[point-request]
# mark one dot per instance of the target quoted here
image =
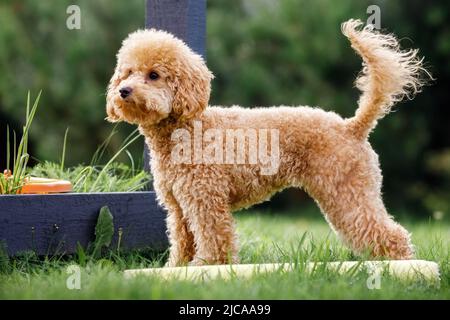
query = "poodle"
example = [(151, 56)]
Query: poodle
[(162, 86)]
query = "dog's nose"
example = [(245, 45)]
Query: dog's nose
[(125, 92)]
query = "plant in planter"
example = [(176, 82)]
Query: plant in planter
[(10, 184), (62, 222)]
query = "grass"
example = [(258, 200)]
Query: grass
[(112, 177), (264, 238), (100, 175)]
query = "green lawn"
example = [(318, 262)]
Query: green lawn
[(264, 238)]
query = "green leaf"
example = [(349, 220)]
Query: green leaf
[(104, 230), (81, 255)]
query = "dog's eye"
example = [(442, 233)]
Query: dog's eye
[(153, 75)]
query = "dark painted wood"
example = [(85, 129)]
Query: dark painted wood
[(185, 19), (50, 224)]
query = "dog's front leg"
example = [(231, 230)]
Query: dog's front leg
[(212, 224), (214, 233), (180, 237)]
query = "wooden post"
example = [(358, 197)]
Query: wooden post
[(186, 19)]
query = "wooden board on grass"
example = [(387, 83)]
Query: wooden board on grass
[(401, 269)]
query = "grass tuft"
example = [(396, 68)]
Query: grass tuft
[(13, 180)]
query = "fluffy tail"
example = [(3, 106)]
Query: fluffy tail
[(388, 76)]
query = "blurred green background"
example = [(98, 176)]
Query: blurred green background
[(262, 52)]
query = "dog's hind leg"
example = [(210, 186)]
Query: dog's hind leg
[(363, 223), (353, 206), (180, 237)]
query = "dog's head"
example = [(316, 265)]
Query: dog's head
[(157, 76)]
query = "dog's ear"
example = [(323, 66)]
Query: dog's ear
[(191, 86), (110, 94)]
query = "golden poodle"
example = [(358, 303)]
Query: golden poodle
[(161, 85)]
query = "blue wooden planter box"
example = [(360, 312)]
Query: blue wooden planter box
[(54, 224)]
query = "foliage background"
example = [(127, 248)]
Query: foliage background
[(262, 52)]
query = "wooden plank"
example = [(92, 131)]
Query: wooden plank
[(185, 19), (55, 223), (400, 269)]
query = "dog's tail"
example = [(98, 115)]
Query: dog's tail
[(389, 75)]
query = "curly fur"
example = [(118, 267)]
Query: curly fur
[(326, 155)]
